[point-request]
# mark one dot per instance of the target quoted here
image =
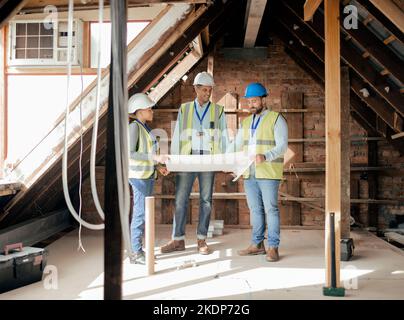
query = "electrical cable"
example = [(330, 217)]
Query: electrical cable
[(96, 120), (80, 246), (65, 150)]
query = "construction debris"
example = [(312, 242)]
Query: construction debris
[(215, 228)]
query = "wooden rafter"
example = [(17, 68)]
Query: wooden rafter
[(376, 48), (254, 16), (201, 22), (374, 13), (397, 135), (391, 11), (310, 7), (46, 193), (362, 112), (175, 75), (355, 61), (8, 9), (300, 30)]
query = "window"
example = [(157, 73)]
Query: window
[(33, 41), (134, 28), (39, 43)]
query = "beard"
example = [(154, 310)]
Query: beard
[(256, 110)]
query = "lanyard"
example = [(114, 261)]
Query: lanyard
[(254, 127), (204, 113), (144, 125)]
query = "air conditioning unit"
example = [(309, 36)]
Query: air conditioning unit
[(39, 43)]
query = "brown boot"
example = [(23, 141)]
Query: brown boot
[(203, 247), (253, 249), (173, 245), (272, 254)]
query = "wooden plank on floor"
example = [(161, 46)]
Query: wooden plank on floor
[(394, 236)]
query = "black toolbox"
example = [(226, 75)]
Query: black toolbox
[(20, 266)]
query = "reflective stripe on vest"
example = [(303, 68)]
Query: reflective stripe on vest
[(142, 169), (186, 127), (265, 141)]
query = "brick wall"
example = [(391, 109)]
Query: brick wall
[(279, 73), (391, 185)]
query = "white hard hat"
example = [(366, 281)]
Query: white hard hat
[(139, 101), (204, 79)]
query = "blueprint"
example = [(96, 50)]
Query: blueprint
[(236, 162)]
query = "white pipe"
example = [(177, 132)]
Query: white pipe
[(96, 120), (65, 150)]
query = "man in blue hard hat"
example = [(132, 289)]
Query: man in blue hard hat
[(264, 135)]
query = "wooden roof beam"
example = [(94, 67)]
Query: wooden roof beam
[(391, 11), (8, 9), (353, 58), (254, 14), (311, 63), (310, 8), (377, 49), (38, 194), (303, 33), (375, 13), (397, 135)]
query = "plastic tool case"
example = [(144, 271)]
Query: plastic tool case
[(20, 266)]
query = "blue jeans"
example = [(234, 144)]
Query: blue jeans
[(262, 200), (183, 187), (142, 188)]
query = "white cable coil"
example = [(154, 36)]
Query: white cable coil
[(120, 132), (65, 151), (97, 107)]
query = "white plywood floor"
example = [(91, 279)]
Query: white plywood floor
[(376, 272)]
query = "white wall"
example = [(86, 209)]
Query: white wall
[(34, 103)]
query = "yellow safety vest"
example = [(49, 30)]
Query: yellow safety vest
[(265, 141), (142, 169), (186, 120)]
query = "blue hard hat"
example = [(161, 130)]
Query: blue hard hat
[(255, 90)]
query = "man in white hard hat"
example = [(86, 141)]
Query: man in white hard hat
[(144, 160), (200, 129)]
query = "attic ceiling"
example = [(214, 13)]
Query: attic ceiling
[(35, 4), (373, 54)]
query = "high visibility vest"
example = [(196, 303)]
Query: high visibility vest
[(142, 169), (265, 141), (186, 121)]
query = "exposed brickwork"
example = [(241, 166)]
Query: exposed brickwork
[(278, 72)]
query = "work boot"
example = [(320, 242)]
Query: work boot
[(253, 249), (137, 258), (173, 245), (272, 254), (203, 247)]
